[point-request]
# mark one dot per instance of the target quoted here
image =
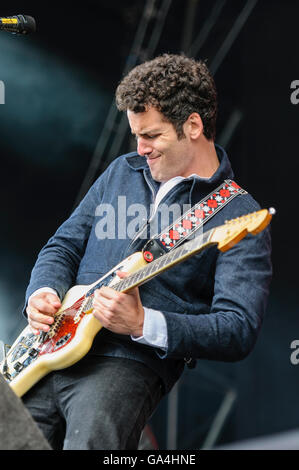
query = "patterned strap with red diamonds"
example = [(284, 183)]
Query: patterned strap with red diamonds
[(199, 214)]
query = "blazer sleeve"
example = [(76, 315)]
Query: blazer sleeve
[(58, 261)]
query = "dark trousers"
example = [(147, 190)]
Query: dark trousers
[(100, 403)]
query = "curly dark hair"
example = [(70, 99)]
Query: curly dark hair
[(176, 86)]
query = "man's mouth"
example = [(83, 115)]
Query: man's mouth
[(152, 157)]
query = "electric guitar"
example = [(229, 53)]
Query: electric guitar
[(71, 335)]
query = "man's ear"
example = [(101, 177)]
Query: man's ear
[(193, 127)]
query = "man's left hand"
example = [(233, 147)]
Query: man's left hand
[(119, 312)]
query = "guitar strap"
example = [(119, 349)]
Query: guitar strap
[(191, 220)]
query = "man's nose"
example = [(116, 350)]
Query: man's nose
[(143, 147)]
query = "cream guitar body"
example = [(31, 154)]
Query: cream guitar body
[(71, 336)]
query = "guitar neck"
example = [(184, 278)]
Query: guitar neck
[(165, 262)]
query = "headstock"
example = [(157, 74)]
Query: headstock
[(234, 230)]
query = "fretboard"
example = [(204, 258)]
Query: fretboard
[(163, 263)]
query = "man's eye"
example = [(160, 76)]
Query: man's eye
[(152, 136), (146, 136)]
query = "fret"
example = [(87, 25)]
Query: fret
[(183, 251), (126, 283), (176, 254), (155, 265), (121, 285), (136, 276)]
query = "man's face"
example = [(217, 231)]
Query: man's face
[(158, 142)]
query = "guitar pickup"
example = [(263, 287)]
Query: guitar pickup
[(33, 352), (7, 376), (18, 367)]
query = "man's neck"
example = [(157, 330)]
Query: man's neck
[(207, 161)]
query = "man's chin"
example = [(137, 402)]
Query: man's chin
[(158, 177)]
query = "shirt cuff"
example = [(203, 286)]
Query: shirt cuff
[(154, 329), (43, 289)]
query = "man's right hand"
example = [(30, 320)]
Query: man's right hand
[(41, 310)]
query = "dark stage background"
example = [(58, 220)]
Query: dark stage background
[(59, 85)]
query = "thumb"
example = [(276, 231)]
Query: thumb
[(53, 299), (122, 274)]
